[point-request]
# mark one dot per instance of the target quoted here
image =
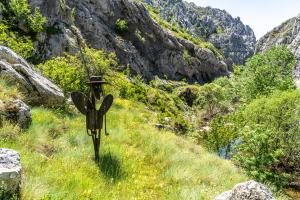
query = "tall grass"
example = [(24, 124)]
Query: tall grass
[(137, 160)]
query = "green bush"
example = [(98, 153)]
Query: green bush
[(270, 137), (21, 10), (121, 26), (137, 91), (18, 25), (266, 134), (69, 72), (211, 97), (266, 72), (222, 134), (166, 104), (20, 44)]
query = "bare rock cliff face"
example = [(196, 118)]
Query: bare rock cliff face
[(147, 48), (229, 34)]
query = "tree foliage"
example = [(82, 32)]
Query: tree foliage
[(20, 44), (121, 26), (266, 72), (211, 97), (20, 11), (270, 135), (69, 71), (19, 23)]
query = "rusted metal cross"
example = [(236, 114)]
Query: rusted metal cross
[(87, 105)]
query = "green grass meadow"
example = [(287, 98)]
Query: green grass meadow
[(137, 160)]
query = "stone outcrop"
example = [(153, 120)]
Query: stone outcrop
[(288, 33), (18, 112), (38, 89), (146, 47), (250, 190), (229, 34), (10, 172)]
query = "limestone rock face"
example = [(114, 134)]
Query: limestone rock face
[(39, 90), (147, 48), (229, 34), (10, 171), (250, 190), (288, 33)]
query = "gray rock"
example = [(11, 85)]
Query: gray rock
[(10, 171), (229, 34), (159, 53), (39, 90), (288, 33), (250, 190), (18, 112)]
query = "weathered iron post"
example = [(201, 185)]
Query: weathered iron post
[(87, 105)]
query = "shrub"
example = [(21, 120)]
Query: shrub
[(188, 94), (269, 71), (212, 99), (166, 104), (263, 137), (20, 44), (21, 10), (222, 134), (271, 138), (121, 26), (69, 72), (137, 91), (36, 21)]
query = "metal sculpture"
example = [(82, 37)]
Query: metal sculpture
[(87, 105)]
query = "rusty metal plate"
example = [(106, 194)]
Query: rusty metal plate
[(80, 101), (106, 104)]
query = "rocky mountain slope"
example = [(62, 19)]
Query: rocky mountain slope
[(288, 33), (229, 34), (147, 48)]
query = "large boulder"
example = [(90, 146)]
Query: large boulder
[(250, 190), (38, 89), (147, 48), (10, 172)]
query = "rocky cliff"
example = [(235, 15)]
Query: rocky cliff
[(229, 34), (146, 47), (288, 33)]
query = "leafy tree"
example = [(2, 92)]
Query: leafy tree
[(266, 72), (212, 99), (270, 134), (223, 133)]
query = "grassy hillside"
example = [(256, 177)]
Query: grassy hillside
[(138, 161)]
